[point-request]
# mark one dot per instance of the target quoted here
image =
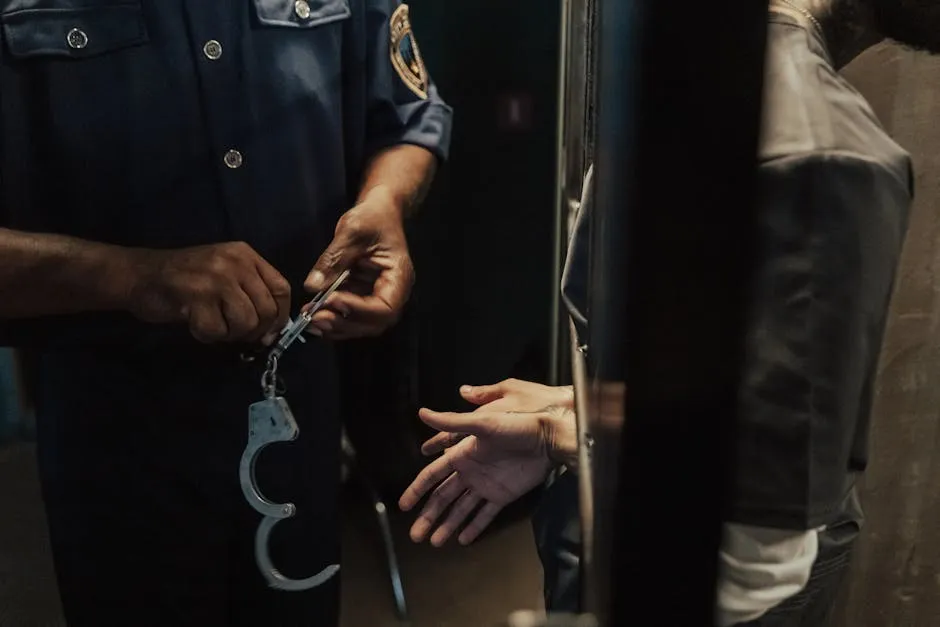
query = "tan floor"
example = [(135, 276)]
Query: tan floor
[(455, 587), (475, 586)]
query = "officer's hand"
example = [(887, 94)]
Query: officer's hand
[(369, 241), (224, 292)]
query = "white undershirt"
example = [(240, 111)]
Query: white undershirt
[(761, 568)]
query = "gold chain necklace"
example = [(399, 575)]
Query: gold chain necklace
[(805, 13)]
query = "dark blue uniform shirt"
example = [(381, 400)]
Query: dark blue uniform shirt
[(171, 123), (167, 124)]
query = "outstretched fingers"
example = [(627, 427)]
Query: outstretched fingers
[(442, 497), (441, 442), (459, 513), (481, 521), (429, 477)]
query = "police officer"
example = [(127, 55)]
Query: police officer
[(176, 180)]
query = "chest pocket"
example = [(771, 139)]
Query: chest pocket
[(301, 13), (73, 29)]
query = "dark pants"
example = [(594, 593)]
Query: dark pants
[(557, 526), (558, 536), (813, 607), (139, 466)]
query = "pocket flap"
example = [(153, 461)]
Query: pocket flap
[(301, 13), (73, 32)]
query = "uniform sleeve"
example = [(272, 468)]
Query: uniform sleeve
[(404, 106), (831, 232)]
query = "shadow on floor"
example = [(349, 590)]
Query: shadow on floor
[(476, 586)]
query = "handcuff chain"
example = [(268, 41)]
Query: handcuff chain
[(269, 378)]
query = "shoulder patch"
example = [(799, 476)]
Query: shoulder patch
[(406, 58)]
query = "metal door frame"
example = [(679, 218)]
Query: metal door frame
[(574, 150), (677, 122)]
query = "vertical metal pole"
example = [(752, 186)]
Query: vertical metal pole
[(573, 142), (561, 222), (679, 94)]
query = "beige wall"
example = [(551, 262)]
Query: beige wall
[(896, 573)]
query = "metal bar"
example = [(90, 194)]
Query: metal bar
[(560, 229), (678, 118), (581, 386)]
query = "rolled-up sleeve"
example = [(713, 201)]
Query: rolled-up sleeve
[(399, 112)]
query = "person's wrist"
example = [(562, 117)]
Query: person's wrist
[(383, 196), (566, 397), (125, 272), (561, 436)]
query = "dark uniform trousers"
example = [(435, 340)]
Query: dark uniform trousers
[(139, 459), (558, 536)]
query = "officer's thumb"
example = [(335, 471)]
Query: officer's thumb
[(339, 256)]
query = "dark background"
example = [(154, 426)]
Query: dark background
[(482, 244)]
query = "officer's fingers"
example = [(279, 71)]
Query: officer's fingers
[(266, 307), (365, 308), (324, 320), (327, 317), (364, 273), (382, 301), (240, 315), (342, 253), (430, 476), (482, 394), (480, 522), (278, 287), (393, 286), (445, 494), (337, 328), (206, 322), (440, 442), (461, 510), (348, 330)]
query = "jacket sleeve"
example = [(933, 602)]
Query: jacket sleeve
[(831, 228)]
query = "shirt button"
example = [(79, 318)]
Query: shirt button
[(212, 49), (302, 9), (233, 159), (77, 39)]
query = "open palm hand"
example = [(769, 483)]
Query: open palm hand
[(503, 456)]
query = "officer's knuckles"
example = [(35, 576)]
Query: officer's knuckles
[(355, 229), (349, 223), (331, 259), (247, 325), (204, 287), (237, 251), (208, 332), (220, 265), (266, 314), (279, 287)]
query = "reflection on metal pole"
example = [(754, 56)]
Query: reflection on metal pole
[(580, 381), (575, 102), (554, 376), (585, 444)]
